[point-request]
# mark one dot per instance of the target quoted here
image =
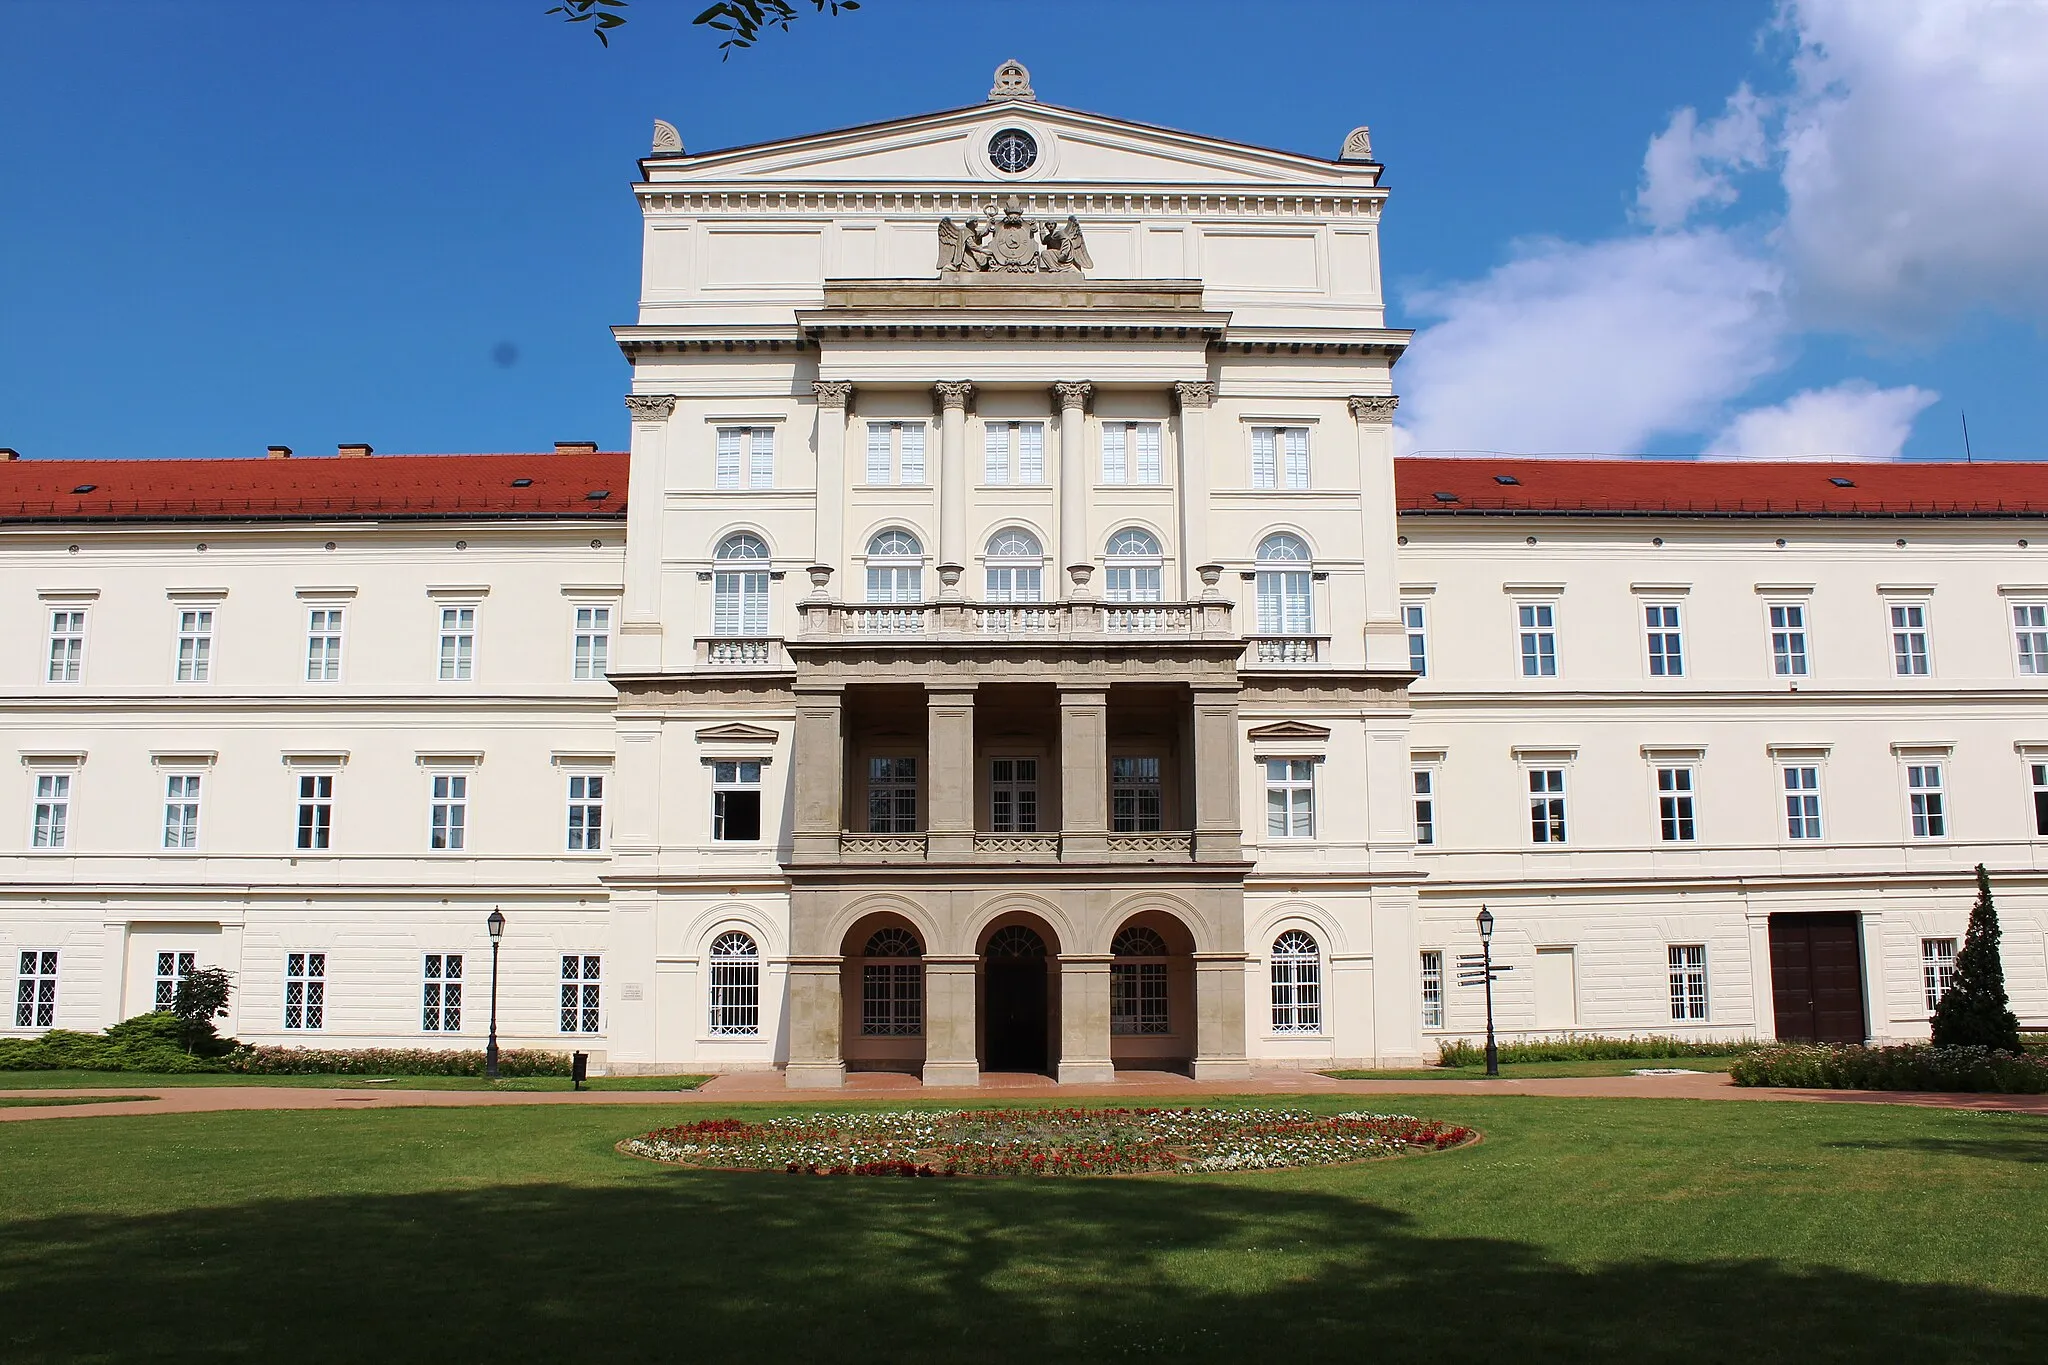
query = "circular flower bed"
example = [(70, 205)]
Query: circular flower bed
[(937, 1142)]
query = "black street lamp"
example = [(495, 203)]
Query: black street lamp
[(1486, 960), (496, 925)]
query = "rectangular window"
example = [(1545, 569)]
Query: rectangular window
[(181, 810), (1415, 616), (195, 645), (1130, 453), (1674, 805), (67, 645), (1137, 997), (1433, 988), (441, 993), (1802, 802), (1134, 794), (2030, 636), (1013, 452), (891, 1000), (1425, 805), (171, 968), (2038, 773), (593, 644), (586, 812), (35, 989), (1909, 639), (746, 457), (449, 820), (892, 795), (1788, 639), (305, 990), (1924, 797), (53, 811), (1688, 983), (458, 643), (323, 644), (582, 1002), (1665, 640), (736, 801), (1290, 798), (1280, 457), (1937, 968), (1538, 624), (896, 453), (1013, 795), (1546, 805), (316, 810)]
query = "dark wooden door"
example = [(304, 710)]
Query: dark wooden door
[(1016, 1014), (1817, 978)]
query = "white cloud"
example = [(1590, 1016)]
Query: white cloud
[(1592, 347), (1689, 164), (1854, 419), (1915, 178)]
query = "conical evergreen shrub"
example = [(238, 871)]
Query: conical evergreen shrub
[(1974, 1012)]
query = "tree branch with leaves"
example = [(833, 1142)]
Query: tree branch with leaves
[(743, 20)]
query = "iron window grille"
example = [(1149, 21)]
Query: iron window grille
[(171, 968), (1137, 982), (35, 989), (1688, 982), (892, 985), (1135, 802), (1013, 795), (305, 990), (735, 994), (1433, 988), (1295, 973), (892, 795), (1937, 968), (441, 993), (582, 993)]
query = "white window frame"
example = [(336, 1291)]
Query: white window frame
[(1536, 637), (590, 640), (184, 792), (1013, 453), (1663, 621), (50, 796), (1009, 574), (1432, 988), (313, 828), (2037, 776), (326, 629), (305, 991), (743, 776), (1805, 822), (1937, 969), (899, 451), (1133, 454), (743, 458), (1013, 793), (1912, 640), (193, 660), (892, 987), (1140, 1003), (1283, 574), (455, 642), (1294, 783), (1789, 632), (172, 966), (35, 987), (742, 581), (441, 978), (584, 815), (582, 1002), (1294, 976), (1927, 813), (1135, 575), (1687, 964), (1415, 621), (448, 810), (1280, 458), (895, 575), (1677, 802), (1422, 783), (65, 657), (733, 985), (1549, 809), (2029, 636)]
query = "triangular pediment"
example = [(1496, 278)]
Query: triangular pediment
[(1075, 147), (735, 733), (1289, 730)]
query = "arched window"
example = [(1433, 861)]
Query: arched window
[(1132, 573), (739, 586), (1137, 981), (735, 993), (1297, 975), (1016, 562), (895, 568), (1286, 602), (1016, 941), (892, 985)]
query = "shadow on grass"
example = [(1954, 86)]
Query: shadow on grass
[(2027, 1144), (690, 1266)]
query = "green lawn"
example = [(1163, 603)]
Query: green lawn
[(1611, 1066), (68, 1080), (44, 1101), (1601, 1230)]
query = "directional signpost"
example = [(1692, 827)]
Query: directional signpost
[(1476, 969)]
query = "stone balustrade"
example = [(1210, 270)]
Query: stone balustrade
[(963, 620)]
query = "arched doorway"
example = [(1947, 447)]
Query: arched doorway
[(1016, 995), (882, 995), (1152, 993)]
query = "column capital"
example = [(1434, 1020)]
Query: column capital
[(1376, 409), (832, 393), (1072, 393), (650, 407), (952, 393), (1194, 395)]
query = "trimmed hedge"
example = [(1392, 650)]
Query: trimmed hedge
[(1908, 1066), (1587, 1048), (155, 1043), (392, 1061)]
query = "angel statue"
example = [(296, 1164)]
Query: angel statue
[(966, 249), (1064, 251)]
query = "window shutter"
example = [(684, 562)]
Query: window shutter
[(878, 452), (1031, 452), (761, 449), (728, 472), (1264, 474), (1297, 457), (911, 455), (995, 461), (1113, 452), (1148, 452)]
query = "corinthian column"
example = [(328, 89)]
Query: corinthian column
[(826, 546), (952, 397), (1075, 552)]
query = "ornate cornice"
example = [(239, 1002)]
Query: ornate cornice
[(1379, 408), (650, 407), (1072, 393), (1194, 395), (952, 393), (832, 393)]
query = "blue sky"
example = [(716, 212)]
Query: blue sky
[(226, 225)]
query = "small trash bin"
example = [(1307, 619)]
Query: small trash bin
[(579, 1069)]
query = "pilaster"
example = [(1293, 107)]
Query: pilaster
[(952, 397), (647, 468), (949, 1022), (1195, 400), (1075, 549), (1219, 837), (1084, 1019), (949, 778), (1386, 641), (815, 1059), (1084, 774), (828, 541), (819, 753), (1219, 1018)]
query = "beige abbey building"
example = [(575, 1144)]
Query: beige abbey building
[(1011, 643)]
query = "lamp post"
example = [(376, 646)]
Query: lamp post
[(1486, 960), (496, 925)]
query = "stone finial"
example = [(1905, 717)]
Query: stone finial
[(1374, 409), (650, 407), (1013, 82), (1357, 145), (667, 141), (952, 393), (832, 393), (1194, 395), (1212, 575), (821, 581), (1072, 393)]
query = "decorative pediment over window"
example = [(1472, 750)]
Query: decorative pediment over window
[(1290, 730), (736, 733)]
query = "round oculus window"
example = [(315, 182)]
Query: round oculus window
[(1013, 151)]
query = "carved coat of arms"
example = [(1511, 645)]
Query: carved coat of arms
[(1006, 242)]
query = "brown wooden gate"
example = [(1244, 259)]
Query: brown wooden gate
[(1817, 978)]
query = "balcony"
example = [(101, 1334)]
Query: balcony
[(1269, 651), (741, 651), (1082, 619), (1006, 848)]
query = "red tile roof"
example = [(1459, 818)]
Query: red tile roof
[(1720, 488), (383, 487)]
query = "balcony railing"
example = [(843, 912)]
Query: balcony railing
[(1003, 847), (1022, 848), (1287, 649), (740, 651), (882, 848), (962, 620)]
